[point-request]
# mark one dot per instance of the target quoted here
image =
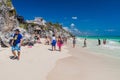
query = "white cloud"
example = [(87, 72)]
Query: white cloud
[(72, 25), (66, 28), (74, 17), (72, 30), (75, 29)]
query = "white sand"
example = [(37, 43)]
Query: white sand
[(86, 65), (35, 63), (39, 63)]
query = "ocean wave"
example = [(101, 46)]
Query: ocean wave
[(112, 45)]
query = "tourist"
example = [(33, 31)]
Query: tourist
[(38, 39), (85, 44), (65, 40), (47, 41), (74, 42), (16, 44), (59, 43), (99, 42), (104, 41), (53, 43), (35, 38)]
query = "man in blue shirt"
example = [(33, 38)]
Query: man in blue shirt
[(16, 44)]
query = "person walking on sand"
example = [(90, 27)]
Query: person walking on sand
[(53, 43), (85, 44), (65, 40), (74, 42), (16, 44), (59, 43)]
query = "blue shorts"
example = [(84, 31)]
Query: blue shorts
[(54, 43), (16, 48)]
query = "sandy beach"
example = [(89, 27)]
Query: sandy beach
[(86, 65), (60, 39), (35, 63), (39, 63)]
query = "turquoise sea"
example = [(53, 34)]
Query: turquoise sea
[(112, 47), (114, 38)]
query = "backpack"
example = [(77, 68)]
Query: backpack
[(15, 38)]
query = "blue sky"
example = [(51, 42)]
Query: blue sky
[(91, 17)]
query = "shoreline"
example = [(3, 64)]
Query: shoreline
[(85, 65), (110, 49)]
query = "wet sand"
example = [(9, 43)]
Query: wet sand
[(86, 65)]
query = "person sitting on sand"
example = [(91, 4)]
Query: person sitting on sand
[(85, 44), (35, 38), (53, 43), (74, 42), (16, 44), (46, 40), (38, 39), (59, 43)]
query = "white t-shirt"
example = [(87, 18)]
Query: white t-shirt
[(53, 38)]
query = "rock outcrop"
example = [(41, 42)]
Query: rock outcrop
[(9, 21)]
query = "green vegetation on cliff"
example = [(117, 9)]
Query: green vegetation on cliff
[(9, 3), (24, 26)]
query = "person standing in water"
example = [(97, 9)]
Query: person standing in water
[(74, 42), (16, 44), (53, 43), (104, 41)]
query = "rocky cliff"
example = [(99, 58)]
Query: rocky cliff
[(9, 20)]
